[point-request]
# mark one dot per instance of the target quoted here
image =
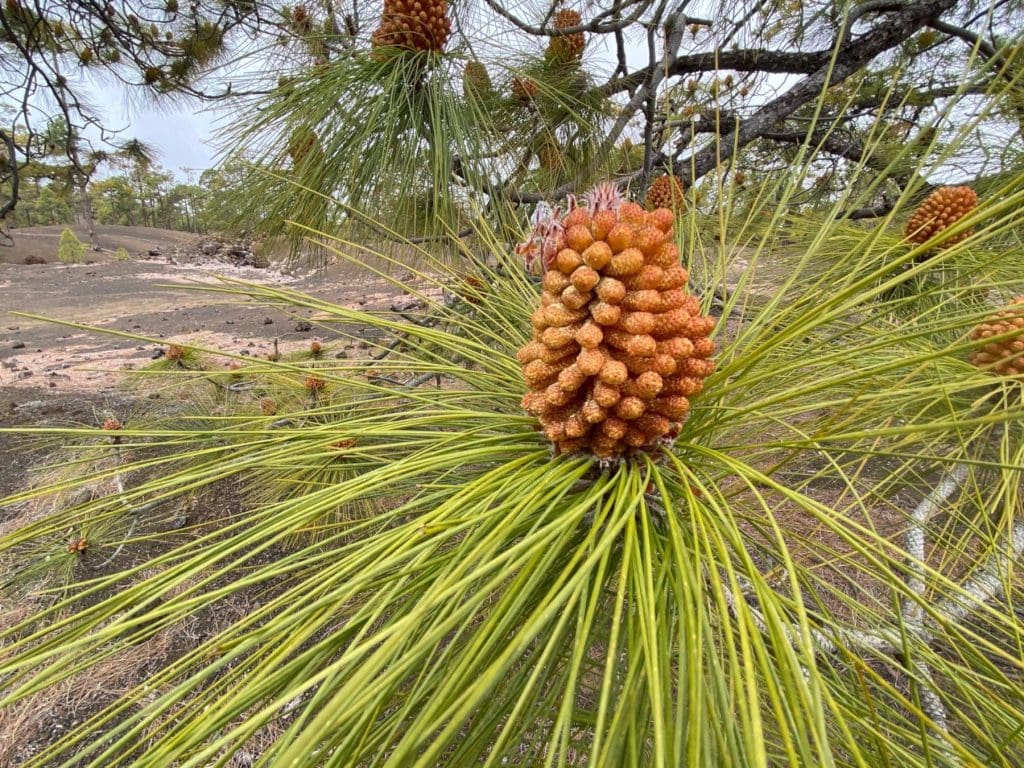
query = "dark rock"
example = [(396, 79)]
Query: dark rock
[(18, 345), (157, 354), (153, 252), (342, 355), (303, 325), (268, 321), (33, 259)]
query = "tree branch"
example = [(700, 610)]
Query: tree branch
[(851, 57), (12, 166)]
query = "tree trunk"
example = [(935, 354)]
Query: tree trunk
[(87, 214)]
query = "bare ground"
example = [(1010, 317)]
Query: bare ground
[(51, 373)]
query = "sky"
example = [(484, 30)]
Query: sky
[(181, 137)]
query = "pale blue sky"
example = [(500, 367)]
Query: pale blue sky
[(180, 136)]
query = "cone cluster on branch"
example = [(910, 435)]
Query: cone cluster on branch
[(475, 79), (567, 49), (618, 344), (301, 143), (419, 25), (523, 89), (550, 156), (940, 210), (666, 192), (78, 546), (1004, 357)]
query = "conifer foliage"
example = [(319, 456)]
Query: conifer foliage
[(730, 483)]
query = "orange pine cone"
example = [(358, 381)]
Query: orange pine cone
[(666, 192), (523, 89), (550, 156), (618, 346), (418, 25), (1003, 357), (315, 383), (943, 208), (567, 49)]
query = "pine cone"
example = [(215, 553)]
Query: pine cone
[(550, 156), (419, 25), (301, 143), (78, 546), (523, 89), (666, 192), (943, 208), (618, 345), (1002, 357), (476, 82), (567, 49), (605, 196)]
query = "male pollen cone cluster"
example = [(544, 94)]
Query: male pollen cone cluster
[(666, 192), (567, 49), (618, 345), (523, 89), (940, 210), (475, 79), (420, 25), (1004, 357), (301, 143)]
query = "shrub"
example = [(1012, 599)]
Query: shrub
[(70, 250)]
